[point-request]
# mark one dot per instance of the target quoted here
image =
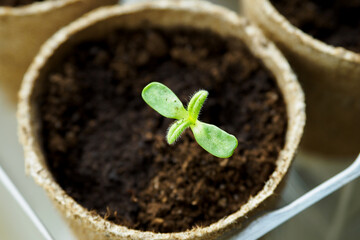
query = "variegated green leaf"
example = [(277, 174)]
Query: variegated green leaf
[(164, 101), (214, 140)]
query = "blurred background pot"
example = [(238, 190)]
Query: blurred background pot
[(196, 14), (330, 77), (25, 28)]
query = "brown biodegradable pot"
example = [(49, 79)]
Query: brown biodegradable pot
[(329, 75), (199, 15), (23, 29)]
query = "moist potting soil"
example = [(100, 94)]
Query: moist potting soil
[(107, 148), (16, 3)]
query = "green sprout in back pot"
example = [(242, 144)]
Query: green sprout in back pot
[(214, 140)]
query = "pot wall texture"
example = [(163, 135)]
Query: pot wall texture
[(24, 29)]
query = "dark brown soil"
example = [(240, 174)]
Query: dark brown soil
[(16, 3), (106, 147), (336, 22)]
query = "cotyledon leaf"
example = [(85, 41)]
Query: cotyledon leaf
[(164, 101), (176, 129), (214, 140), (196, 103)]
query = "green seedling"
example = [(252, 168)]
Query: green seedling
[(214, 140)]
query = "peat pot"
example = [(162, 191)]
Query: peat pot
[(24, 28), (329, 75), (198, 15)]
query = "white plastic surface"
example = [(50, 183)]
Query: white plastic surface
[(12, 161)]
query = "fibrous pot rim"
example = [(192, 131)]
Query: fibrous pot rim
[(35, 8), (315, 45)]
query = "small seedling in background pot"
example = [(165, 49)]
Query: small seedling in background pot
[(214, 140)]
